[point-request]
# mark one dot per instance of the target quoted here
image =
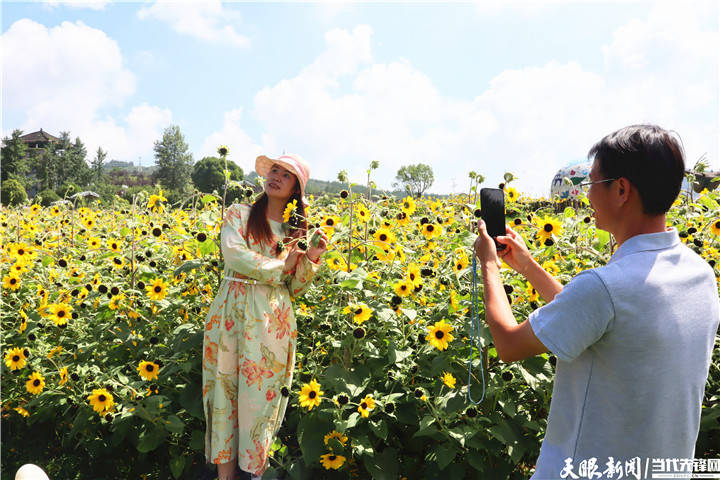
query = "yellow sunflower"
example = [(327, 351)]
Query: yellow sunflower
[(439, 335), (310, 395), (461, 263), (101, 400), (384, 237), (60, 313), (360, 311), (155, 202), (511, 195), (430, 230), (21, 252), (532, 294), (22, 411), (330, 460), (114, 245), (403, 219), (14, 358), (403, 288), (329, 223), (715, 227), (336, 435), (413, 275), (11, 282), (408, 206), (148, 370), (547, 227), (366, 404), (449, 380), (115, 301), (35, 383), (63, 375), (289, 210), (157, 289), (362, 214)]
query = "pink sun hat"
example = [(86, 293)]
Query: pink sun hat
[(292, 162)]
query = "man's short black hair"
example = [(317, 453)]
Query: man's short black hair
[(650, 157)]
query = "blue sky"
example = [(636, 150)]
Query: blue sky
[(525, 87)]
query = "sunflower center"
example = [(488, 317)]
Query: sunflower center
[(158, 289), (332, 458), (61, 313), (36, 383), (459, 266), (330, 222), (149, 368), (16, 358), (358, 311), (102, 398), (548, 227), (312, 394), (13, 281), (430, 228), (383, 237), (439, 334), (364, 405), (717, 224), (21, 252), (404, 287)]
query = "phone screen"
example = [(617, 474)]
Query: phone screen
[(492, 211)]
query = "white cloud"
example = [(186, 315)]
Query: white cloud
[(63, 77), (243, 150), (91, 4), (206, 20), (343, 111)]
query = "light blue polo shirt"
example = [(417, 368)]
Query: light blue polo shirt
[(634, 341)]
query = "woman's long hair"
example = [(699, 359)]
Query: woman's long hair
[(259, 227)]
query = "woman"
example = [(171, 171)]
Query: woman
[(250, 330)]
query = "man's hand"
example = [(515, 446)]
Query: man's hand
[(484, 246), (516, 253)]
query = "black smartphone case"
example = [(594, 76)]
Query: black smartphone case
[(492, 211)]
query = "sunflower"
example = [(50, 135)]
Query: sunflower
[(532, 294), (403, 219), (330, 460), (336, 435), (360, 311), (115, 301), (403, 288), (22, 411), (386, 255), (367, 404), (155, 202), (310, 394), (400, 254), (547, 227), (18, 269), (408, 206), (60, 313), (384, 237), (114, 245), (21, 252), (88, 222), (35, 383), (715, 227), (55, 211), (117, 262), (101, 400), (329, 223), (223, 150), (430, 230), (551, 267), (511, 195), (461, 263), (362, 214), (157, 289), (439, 335), (148, 370), (289, 210), (14, 358), (449, 380), (63, 375), (11, 282), (413, 275)]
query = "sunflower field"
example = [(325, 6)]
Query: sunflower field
[(103, 309)]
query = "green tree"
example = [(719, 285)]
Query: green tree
[(173, 160), (12, 157), (97, 166), (13, 193), (415, 179), (209, 174)]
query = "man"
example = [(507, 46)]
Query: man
[(633, 338)]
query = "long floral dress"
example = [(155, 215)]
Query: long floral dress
[(249, 345)]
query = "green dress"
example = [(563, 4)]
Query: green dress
[(249, 345)]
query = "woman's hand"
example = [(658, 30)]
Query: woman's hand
[(314, 253), (292, 259), (516, 253)]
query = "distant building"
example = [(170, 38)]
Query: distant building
[(39, 140)]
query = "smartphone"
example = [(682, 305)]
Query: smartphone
[(492, 211)]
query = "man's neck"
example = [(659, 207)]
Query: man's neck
[(638, 225)]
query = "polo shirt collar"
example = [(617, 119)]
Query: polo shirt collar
[(647, 242)]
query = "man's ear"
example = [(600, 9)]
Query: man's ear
[(624, 187)]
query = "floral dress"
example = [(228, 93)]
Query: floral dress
[(249, 345)]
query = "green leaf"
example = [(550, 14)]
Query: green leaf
[(151, 439), (397, 356), (380, 429), (173, 424), (197, 440), (445, 454), (177, 464), (187, 266), (191, 400), (311, 432), (384, 465), (411, 314)]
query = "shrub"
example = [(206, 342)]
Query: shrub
[(13, 193)]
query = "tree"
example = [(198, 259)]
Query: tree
[(415, 179), (12, 157), (209, 174), (13, 193), (173, 160), (97, 165)]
